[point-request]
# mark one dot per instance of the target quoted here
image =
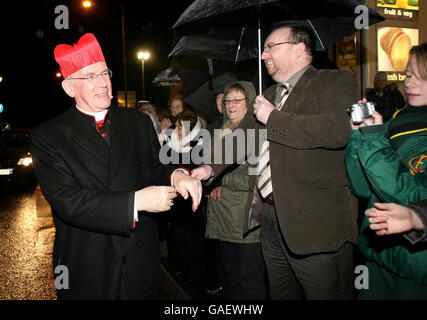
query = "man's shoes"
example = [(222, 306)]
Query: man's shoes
[(215, 292)]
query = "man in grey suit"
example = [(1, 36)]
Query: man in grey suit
[(309, 216)]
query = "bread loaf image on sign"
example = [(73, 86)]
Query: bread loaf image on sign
[(396, 44)]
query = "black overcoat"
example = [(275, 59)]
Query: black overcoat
[(90, 187)]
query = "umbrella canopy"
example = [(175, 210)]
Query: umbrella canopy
[(234, 22), (203, 45), (330, 21)]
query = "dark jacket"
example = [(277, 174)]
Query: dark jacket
[(90, 187), (386, 102), (316, 210)]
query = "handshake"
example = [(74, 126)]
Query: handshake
[(160, 198)]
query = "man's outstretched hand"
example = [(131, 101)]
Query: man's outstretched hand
[(203, 172)]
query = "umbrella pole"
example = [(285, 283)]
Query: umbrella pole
[(259, 59)]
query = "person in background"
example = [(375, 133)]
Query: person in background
[(385, 163), (217, 124), (176, 106), (150, 110), (240, 255), (386, 97), (98, 167), (185, 227)]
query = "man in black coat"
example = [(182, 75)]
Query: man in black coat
[(98, 167)]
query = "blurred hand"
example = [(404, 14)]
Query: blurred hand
[(203, 172), (155, 198), (262, 109), (216, 193), (166, 123), (391, 218), (188, 186)]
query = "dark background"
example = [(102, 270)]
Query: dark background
[(30, 90)]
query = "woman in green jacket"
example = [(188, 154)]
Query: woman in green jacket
[(387, 163), (241, 255)]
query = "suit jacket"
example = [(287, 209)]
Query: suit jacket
[(90, 187), (316, 210)]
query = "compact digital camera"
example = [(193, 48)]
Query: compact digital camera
[(360, 111)]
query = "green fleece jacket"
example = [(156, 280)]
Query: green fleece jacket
[(388, 163)]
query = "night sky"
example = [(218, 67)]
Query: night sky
[(30, 91)]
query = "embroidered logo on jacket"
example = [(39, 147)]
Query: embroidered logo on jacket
[(418, 164)]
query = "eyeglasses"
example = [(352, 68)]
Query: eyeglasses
[(93, 77), (234, 101), (270, 46)]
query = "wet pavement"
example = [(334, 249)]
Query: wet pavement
[(26, 246)]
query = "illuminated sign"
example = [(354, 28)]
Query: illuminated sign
[(398, 9), (393, 45)]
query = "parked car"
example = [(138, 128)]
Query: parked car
[(16, 164)]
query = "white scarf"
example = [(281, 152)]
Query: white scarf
[(183, 145)]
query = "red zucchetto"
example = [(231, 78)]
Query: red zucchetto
[(85, 52)]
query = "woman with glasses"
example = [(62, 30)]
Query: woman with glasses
[(386, 163), (240, 254)]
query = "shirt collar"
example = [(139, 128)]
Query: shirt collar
[(292, 81)]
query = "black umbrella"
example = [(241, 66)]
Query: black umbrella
[(239, 21), (203, 45), (203, 99)]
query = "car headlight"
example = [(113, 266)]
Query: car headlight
[(26, 161)]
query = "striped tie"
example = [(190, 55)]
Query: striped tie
[(264, 172)]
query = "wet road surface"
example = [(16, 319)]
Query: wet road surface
[(26, 244)]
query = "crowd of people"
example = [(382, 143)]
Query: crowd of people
[(290, 231)]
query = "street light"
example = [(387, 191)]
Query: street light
[(143, 55), (88, 4)]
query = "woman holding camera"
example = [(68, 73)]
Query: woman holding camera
[(387, 162)]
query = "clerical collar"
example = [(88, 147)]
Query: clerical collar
[(97, 115)]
